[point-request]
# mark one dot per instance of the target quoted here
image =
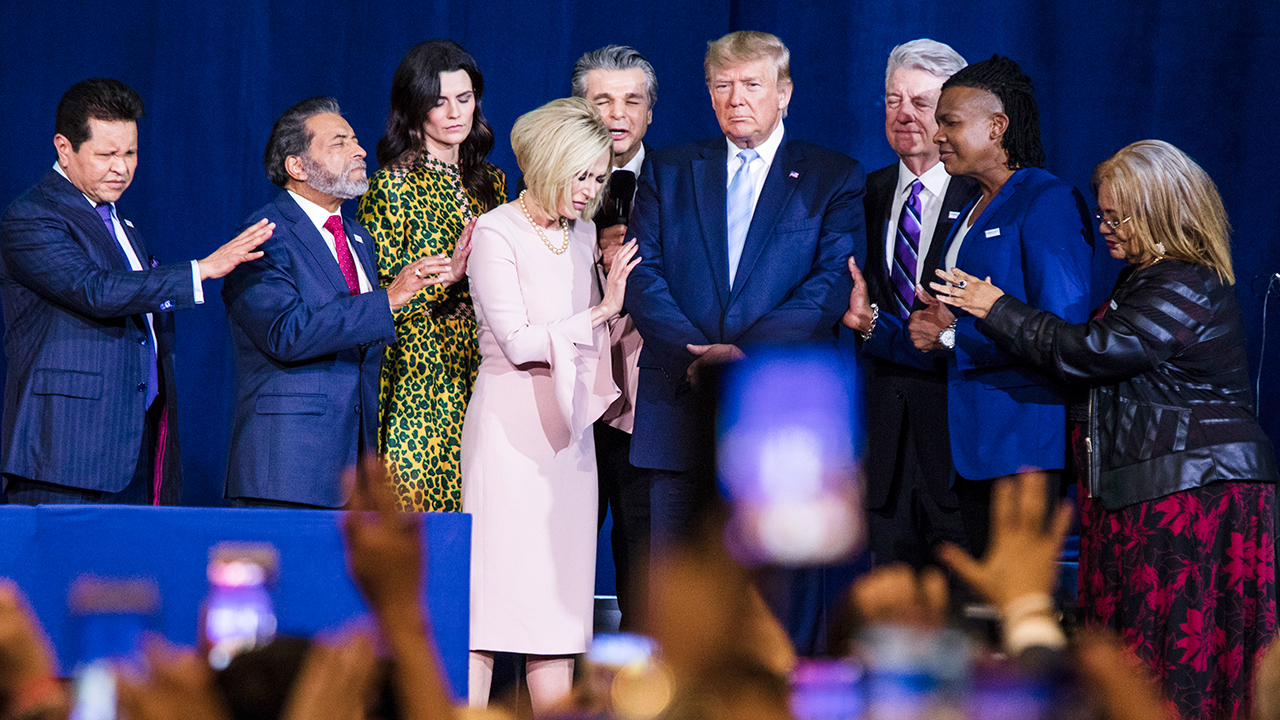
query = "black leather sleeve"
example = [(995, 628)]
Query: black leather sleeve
[(1145, 324)]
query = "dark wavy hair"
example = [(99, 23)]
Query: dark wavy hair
[(415, 88), (1002, 77), (104, 99)]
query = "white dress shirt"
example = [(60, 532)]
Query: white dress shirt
[(935, 181), (319, 216), (953, 252), (757, 172), (634, 163)]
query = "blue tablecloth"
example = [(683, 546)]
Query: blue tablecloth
[(44, 548)]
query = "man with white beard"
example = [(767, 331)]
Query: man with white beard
[(307, 322)]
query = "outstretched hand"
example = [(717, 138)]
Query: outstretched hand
[(241, 248), (966, 291), (926, 325), (1026, 540), (858, 316), (386, 560)]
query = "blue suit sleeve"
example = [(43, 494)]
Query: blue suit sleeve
[(41, 252), (661, 322), (1056, 254), (262, 297)]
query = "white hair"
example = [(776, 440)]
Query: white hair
[(924, 54)]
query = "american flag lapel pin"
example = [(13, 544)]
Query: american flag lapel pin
[(794, 175)]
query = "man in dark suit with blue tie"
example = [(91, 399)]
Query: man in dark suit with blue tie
[(90, 408), (308, 323), (745, 239)]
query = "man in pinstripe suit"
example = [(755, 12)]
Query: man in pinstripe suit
[(89, 404)]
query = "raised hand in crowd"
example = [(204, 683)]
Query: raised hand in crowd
[(385, 559), (1119, 683), (179, 686), (29, 686), (241, 248), (335, 682), (926, 325), (1026, 540)]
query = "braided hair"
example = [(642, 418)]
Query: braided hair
[(1002, 77)]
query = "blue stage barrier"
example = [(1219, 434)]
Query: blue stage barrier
[(45, 548)]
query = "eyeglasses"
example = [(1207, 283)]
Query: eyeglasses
[(1097, 215)]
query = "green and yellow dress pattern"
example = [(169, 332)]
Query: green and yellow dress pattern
[(416, 209)]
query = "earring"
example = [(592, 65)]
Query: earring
[(1160, 248)]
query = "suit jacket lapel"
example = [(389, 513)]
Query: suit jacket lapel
[(79, 211), (961, 192), (779, 184), (710, 181), (364, 254), (138, 248), (309, 237), (880, 195)]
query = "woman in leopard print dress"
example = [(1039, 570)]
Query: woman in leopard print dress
[(432, 182)]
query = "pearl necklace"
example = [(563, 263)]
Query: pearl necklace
[(564, 227)]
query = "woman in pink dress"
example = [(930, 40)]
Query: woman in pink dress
[(528, 454)]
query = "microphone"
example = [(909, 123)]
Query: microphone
[(616, 208)]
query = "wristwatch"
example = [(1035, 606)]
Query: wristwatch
[(948, 336)]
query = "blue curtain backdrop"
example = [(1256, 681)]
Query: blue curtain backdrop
[(215, 76)]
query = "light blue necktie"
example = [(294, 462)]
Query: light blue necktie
[(739, 210)]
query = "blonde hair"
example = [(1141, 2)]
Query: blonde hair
[(1170, 200), (747, 46), (556, 143)]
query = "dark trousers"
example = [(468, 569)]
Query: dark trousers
[(624, 490), (914, 518), (139, 491)]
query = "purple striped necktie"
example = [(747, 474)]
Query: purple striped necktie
[(906, 252)]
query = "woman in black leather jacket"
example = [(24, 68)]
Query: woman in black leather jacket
[(1176, 541)]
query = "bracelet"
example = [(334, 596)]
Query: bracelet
[(875, 318)]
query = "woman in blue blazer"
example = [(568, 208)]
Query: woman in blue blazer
[(1030, 231)]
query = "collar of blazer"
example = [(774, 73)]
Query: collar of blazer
[(77, 210), (309, 237), (988, 213), (710, 186)]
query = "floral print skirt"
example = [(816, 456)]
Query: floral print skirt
[(1188, 581)]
